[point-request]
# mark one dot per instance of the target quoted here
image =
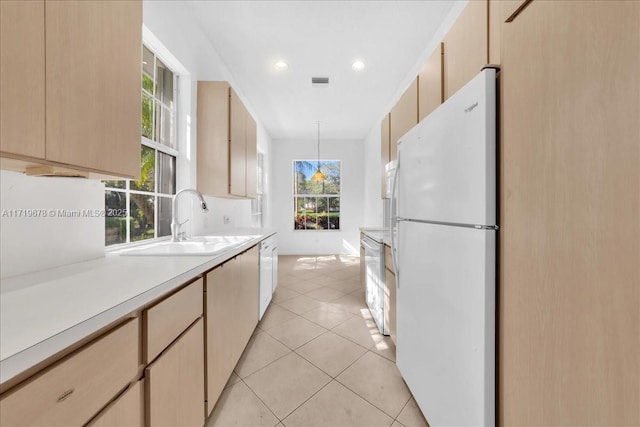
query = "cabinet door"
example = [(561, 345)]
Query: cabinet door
[(363, 269), (252, 157), (175, 382), (511, 8), (250, 296), (430, 85), (390, 303), (495, 24), (222, 327), (403, 117), (93, 89), (384, 153), (466, 46), (213, 138), (73, 390), (22, 78), (166, 320), (126, 411), (570, 177), (237, 146)]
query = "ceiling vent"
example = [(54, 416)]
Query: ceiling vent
[(319, 81)]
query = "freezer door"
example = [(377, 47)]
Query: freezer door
[(447, 163), (446, 322)]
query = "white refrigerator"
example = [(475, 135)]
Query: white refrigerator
[(444, 245)]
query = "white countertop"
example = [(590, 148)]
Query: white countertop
[(380, 235), (43, 313)]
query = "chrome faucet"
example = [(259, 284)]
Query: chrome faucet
[(175, 225)]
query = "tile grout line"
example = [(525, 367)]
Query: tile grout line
[(261, 401)]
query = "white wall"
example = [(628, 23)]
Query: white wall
[(372, 215), (32, 244), (38, 229), (373, 204), (351, 201), (173, 25)]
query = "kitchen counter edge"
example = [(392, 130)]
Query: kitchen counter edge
[(13, 366)]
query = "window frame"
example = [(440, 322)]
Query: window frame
[(257, 204), (158, 148), (296, 195)]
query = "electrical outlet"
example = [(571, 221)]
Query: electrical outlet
[(226, 219)]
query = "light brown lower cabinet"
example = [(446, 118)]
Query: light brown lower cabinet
[(390, 303), (232, 315), (390, 292), (125, 411), (74, 389), (175, 382), (363, 266), (166, 320)]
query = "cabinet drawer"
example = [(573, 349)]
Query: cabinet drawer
[(126, 411), (165, 321), (76, 388), (175, 382), (388, 259)]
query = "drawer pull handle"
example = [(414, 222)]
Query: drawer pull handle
[(65, 395)]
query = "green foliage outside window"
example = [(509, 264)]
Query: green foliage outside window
[(316, 203)]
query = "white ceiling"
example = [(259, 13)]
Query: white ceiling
[(321, 38)]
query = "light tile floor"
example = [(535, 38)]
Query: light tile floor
[(317, 358)]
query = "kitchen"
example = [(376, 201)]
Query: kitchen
[(568, 277)]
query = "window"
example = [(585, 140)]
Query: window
[(257, 204), (140, 210), (316, 203)]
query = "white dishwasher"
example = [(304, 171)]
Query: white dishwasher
[(374, 281), (268, 272)]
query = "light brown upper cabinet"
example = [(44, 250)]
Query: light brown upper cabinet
[(385, 137), (570, 208), (227, 145), (466, 46), (84, 113), (403, 116), (22, 76), (430, 85)]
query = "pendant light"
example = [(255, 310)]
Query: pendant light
[(318, 176)]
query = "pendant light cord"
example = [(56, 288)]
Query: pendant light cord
[(318, 164)]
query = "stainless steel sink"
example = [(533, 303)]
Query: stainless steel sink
[(197, 246)]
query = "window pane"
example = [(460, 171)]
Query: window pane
[(304, 170), (147, 116), (147, 171), (142, 210), (305, 215), (164, 87), (147, 83), (164, 216), (164, 126), (334, 213), (260, 167), (115, 230), (166, 173), (332, 170), (115, 184), (147, 62)]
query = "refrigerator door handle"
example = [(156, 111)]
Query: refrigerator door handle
[(394, 220)]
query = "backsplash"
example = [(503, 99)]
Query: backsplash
[(48, 222)]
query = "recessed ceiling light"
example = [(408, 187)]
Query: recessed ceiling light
[(357, 65), (280, 65)]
